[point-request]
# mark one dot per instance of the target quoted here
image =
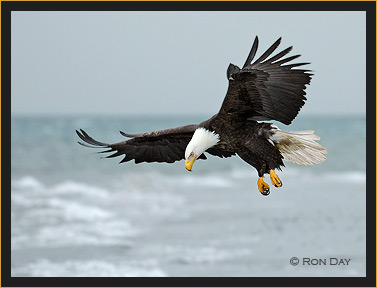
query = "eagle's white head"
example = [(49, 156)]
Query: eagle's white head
[(202, 140)]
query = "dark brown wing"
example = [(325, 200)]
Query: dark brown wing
[(158, 146), (266, 89), (167, 145)]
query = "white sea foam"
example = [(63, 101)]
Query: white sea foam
[(209, 180), (68, 213), (67, 187), (91, 268), (303, 174), (58, 234), (71, 187), (348, 177), (199, 255), (97, 233), (210, 255), (72, 211), (27, 182)]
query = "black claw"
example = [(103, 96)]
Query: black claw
[(266, 193), (281, 185)]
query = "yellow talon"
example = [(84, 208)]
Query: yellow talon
[(275, 180), (263, 187)]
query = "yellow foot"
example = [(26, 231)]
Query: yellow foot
[(275, 180), (263, 187)]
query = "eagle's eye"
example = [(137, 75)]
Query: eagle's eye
[(191, 154)]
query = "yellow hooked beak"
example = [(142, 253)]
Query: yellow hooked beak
[(189, 162)]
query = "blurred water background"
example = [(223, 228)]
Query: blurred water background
[(75, 214)]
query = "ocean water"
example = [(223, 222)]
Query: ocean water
[(75, 214)]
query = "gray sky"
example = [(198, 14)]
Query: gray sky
[(175, 62)]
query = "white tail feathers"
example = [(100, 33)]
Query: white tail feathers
[(298, 146)]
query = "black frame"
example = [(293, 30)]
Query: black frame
[(8, 7)]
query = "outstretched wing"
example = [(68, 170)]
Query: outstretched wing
[(266, 89), (158, 146)]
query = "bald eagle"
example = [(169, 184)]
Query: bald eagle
[(265, 89)]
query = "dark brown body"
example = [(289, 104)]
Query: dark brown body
[(248, 139)]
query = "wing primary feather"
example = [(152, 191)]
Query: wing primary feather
[(118, 153), (296, 65), (279, 55), (129, 135), (282, 61), (86, 145), (268, 52), (126, 159), (106, 151), (252, 53), (81, 137), (86, 138)]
